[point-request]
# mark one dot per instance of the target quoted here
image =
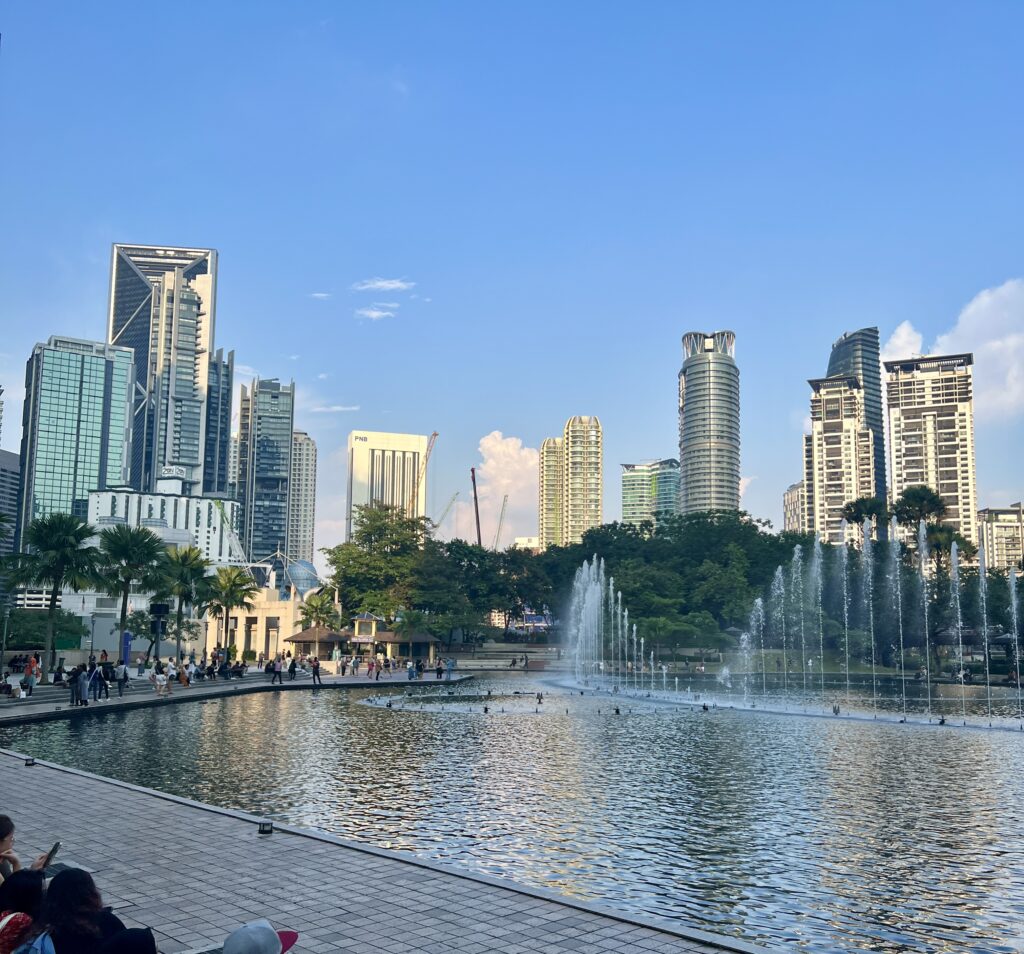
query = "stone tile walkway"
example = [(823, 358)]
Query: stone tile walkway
[(193, 872)]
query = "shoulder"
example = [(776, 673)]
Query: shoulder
[(108, 922)]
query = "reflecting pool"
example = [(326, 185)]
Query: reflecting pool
[(819, 833)]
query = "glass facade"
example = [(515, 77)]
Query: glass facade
[(649, 489), (266, 422), (858, 354), (709, 423), (77, 425), (217, 453)]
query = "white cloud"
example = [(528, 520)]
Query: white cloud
[(383, 284), (904, 342), (333, 408), (245, 372), (294, 357), (745, 482), (320, 296), (387, 304), (323, 376), (991, 326), (506, 467), (374, 314)]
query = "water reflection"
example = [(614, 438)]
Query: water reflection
[(827, 834)]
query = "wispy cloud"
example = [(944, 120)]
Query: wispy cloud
[(294, 357), (322, 376), (374, 314), (387, 304), (333, 408), (384, 284), (321, 296)]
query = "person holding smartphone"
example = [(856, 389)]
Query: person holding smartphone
[(9, 861)]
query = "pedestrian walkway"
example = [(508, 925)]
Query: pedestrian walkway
[(50, 702), (193, 873)]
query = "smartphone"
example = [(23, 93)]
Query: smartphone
[(51, 855)]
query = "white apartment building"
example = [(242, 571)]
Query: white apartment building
[(839, 462), (931, 424), (793, 508), (386, 469), (1002, 536), (549, 502), (582, 477), (302, 497)]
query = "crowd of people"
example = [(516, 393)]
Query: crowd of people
[(66, 914)]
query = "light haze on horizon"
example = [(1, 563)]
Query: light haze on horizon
[(550, 196)]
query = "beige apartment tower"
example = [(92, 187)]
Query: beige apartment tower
[(794, 508), (1002, 535), (571, 483), (549, 503), (302, 497), (931, 423), (839, 460)]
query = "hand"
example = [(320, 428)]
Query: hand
[(12, 859), (39, 863)]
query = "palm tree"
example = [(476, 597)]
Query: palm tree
[(131, 555), (318, 609), (940, 544), (58, 555), (232, 588), (919, 503), (186, 574), (857, 511)]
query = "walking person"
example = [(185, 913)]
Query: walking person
[(316, 671), (278, 668), (83, 686), (369, 667), (73, 686), (410, 670), (439, 668), (31, 672), (292, 666)]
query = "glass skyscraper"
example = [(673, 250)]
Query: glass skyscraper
[(163, 306), (217, 452), (858, 354), (76, 426), (649, 489), (709, 423), (266, 420)]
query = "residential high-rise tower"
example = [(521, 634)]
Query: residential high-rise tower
[(163, 307), (266, 419), (709, 423), (571, 483), (76, 426), (549, 502), (217, 445), (302, 500), (649, 489), (931, 421)]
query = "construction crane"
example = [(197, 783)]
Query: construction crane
[(414, 494), (476, 506), (447, 510), (501, 523)]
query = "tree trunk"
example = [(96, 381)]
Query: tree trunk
[(50, 651), (124, 617), (177, 634)]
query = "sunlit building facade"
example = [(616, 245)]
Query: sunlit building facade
[(549, 503), (793, 508), (386, 470), (649, 490), (1001, 532), (582, 477), (302, 500)]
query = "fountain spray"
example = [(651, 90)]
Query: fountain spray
[(954, 602), (796, 584), (1011, 580), (868, 563), (844, 559), (896, 589), (983, 599), (922, 556)]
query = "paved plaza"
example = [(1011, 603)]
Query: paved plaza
[(193, 872)]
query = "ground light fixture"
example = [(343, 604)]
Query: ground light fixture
[(266, 827)]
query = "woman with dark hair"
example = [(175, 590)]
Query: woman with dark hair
[(73, 916), (9, 862), (21, 897)]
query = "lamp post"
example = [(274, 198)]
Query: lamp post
[(3, 648), (92, 636)]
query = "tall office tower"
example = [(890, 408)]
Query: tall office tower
[(163, 306), (266, 422), (931, 421), (549, 502), (386, 469), (582, 478), (793, 508), (1002, 535), (302, 502), (709, 423), (76, 426), (217, 446), (10, 481), (233, 467), (1, 411), (857, 353), (649, 489), (839, 456)]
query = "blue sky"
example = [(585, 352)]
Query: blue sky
[(564, 188)]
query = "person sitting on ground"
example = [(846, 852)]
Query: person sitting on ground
[(259, 937), (21, 899), (73, 917), (9, 862)]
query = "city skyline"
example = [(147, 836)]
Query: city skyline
[(914, 239)]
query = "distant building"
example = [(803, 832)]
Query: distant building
[(266, 419), (582, 477), (839, 463), (233, 466), (76, 426), (857, 354), (709, 423), (649, 489), (302, 500), (931, 421), (10, 481), (1001, 533), (217, 454), (385, 469), (163, 303), (793, 507), (177, 518), (549, 495), (530, 544)]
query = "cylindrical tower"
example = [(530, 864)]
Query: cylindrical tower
[(709, 423)]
